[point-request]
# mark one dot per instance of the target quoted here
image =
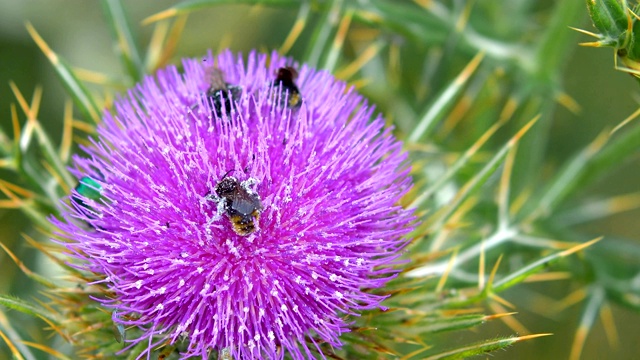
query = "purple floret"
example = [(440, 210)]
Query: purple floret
[(328, 176)]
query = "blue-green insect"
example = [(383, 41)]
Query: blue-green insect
[(90, 189), (118, 329)]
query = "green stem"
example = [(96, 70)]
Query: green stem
[(123, 38), (322, 34), (438, 268)]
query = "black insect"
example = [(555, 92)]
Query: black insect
[(241, 204), (221, 93), (285, 89)]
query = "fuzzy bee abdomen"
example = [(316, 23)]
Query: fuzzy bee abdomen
[(244, 225)]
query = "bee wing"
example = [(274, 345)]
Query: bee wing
[(215, 78), (245, 204)]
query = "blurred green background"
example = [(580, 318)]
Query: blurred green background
[(77, 30)]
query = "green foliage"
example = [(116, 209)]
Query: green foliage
[(610, 17), (28, 308), (76, 89), (619, 28), (123, 39), (473, 93)]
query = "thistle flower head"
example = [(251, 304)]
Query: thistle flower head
[(240, 209)]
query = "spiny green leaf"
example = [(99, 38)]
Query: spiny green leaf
[(592, 163), (123, 39), (480, 178), (52, 157), (590, 314), (553, 47), (37, 210), (443, 103), (409, 20), (34, 276), (193, 5), (447, 324), (321, 37), (301, 21), (522, 274), (13, 340), (6, 144), (608, 16), (566, 181), (52, 352), (612, 155), (481, 348), (626, 298), (457, 299), (81, 96), (28, 308), (455, 167)]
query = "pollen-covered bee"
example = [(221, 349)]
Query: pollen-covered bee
[(241, 204), (221, 93), (284, 87)]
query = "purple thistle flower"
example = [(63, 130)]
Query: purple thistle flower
[(320, 181)]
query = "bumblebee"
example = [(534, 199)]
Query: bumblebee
[(241, 204), (285, 84), (221, 93)]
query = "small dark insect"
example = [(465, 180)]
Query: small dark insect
[(284, 87), (241, 204), (221, 93)]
